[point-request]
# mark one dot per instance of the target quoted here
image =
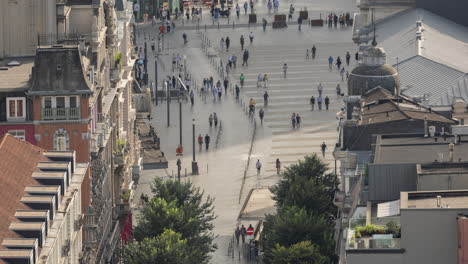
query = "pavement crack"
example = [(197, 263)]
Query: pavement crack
[(248, 160)]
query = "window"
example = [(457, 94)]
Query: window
[(48, 102), (61, 140), (16, 108), (60, 102), (18, 134), (73, 102)]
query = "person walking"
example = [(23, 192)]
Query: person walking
[(338, 90), (330, 62), (228, 43), (348, 57), (207, 141), (291, 12), (356, 56), (200, 142), (265, 79), (270, 6), (243, 233), (191, 96), (226, 84), (261, 113), (299, 23), (298, 121), (312, 102), (285, 69), (258, 165), (278, 166), (327, 102), (210, 120), (323, 147), (338, 62), (265, 98), (214, 91), (237, 10), (251, 37), (320, 89), (237, 91), (259, 80), (342, 72), (215, 118), (220, 92), (293, 120), (319, 102), (264, 24), (242, 41), (245, 58), (307, 54), (246, 6), (314, 51), (242, 79), (237, 233), (221, 43)]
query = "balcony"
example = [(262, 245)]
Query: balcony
[(60, 113), (383, 233)]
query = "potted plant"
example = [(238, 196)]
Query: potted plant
[(126, 196), (118, 60)]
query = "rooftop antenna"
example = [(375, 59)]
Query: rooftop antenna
[(374, 42)]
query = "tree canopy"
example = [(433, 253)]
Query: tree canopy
[(303, 252), (305, 213), (180, 207)]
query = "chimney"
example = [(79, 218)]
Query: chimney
[(439, 201), (425, 126), (451, 148)]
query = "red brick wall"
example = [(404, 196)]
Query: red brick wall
[(28, 131)]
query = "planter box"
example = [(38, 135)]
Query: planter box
[(316, 22), (279, 18), (252, 18), (279, 24), (304, 14)]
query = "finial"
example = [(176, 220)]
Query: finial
[(374, 42)]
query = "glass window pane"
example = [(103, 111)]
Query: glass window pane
[(73, 102), (48, 102), (60, 102), (19, 108), (12, 108)]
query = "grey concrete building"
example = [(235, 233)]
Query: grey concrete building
[(432, 231)]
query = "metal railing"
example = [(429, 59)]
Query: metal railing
[(60, 113)]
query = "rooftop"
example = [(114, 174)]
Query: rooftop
[(403, 149), (16, 78), (379, 106), (429, 200), (433, 65)]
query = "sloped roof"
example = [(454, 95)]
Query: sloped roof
[(18, 160), (58, 70), (458, 91), (421, 75), (442, 40), (380, 106)]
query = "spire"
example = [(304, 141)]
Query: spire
[(374, 42)]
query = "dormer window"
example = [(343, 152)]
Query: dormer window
[(16, 108)]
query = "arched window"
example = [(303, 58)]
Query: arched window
[(61, 140)]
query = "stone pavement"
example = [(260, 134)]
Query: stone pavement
[(224, 173)]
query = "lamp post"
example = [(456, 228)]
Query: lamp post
[(185, 67), (168, 108), (180, 121), (156, 81), (194, 163)]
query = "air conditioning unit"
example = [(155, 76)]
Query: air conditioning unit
[(78, 223), (432, 130), (66, 248)]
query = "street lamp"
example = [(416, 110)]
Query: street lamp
[(185, 67), (194, 163), (180, 121)]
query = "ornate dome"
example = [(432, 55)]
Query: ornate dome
[(374, 71)]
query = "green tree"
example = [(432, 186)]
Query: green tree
[(303, 252), (181, 207), (307, 185), (168, 247), (293, 225)]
